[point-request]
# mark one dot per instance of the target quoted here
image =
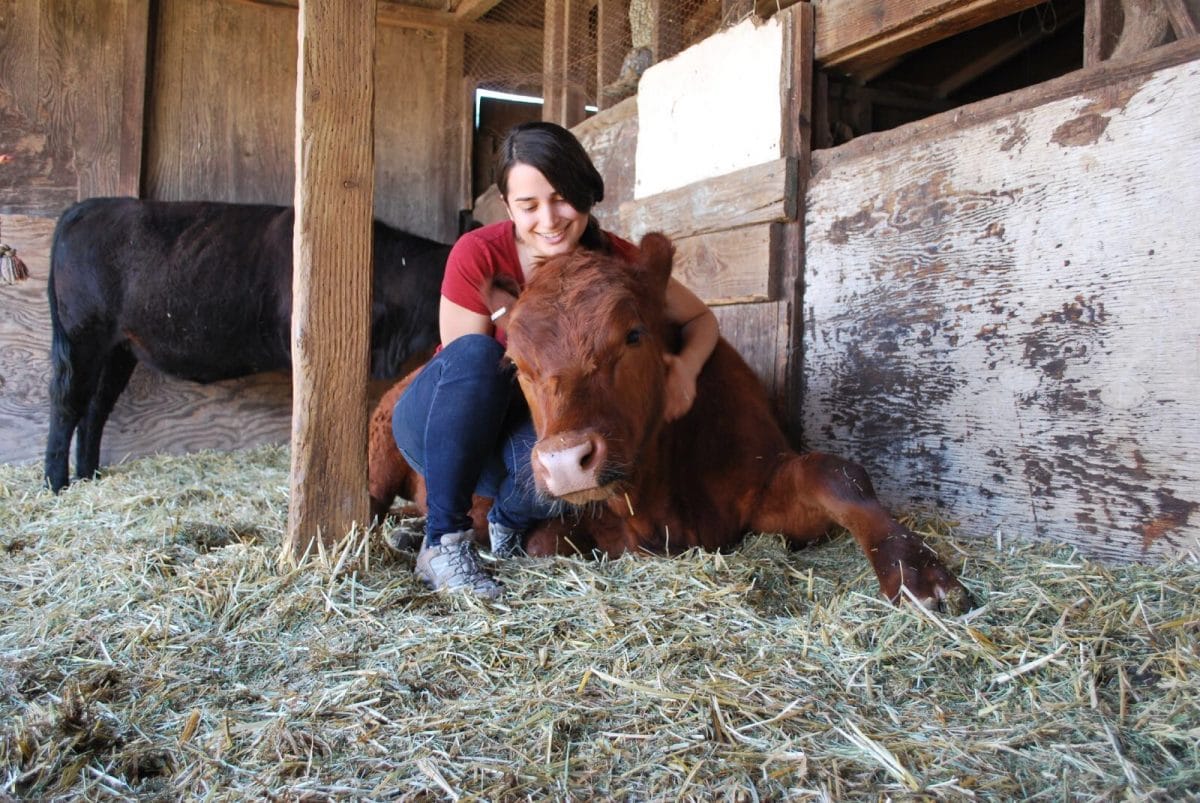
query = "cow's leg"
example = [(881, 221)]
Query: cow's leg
[(112, 381), (75, 373), (810, 493)]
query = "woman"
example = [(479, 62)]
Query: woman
[(462, 424)]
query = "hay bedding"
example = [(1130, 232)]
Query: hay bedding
[(151, 648)]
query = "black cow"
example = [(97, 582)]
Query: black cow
[(201, 291)]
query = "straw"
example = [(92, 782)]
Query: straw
[(152, 647)]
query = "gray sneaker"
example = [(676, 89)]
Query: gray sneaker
[(505, 542), (454, 565)]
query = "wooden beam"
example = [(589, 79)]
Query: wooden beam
[(1001, 51), (764, 193), (1185, 17), (1102, 23), (471, 10), (564, 98), (855, 34), (331, 293), (788, 249), (612, 32)]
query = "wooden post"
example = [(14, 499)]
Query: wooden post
[(458, 120), (1101, 30), (331, 293), (564, 98), (612, 31), (796, 142)]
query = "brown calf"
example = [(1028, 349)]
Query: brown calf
[(587, 337)]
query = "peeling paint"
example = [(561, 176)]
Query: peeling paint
[(1173, 513), (1083, 130)]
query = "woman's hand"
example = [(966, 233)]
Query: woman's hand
[(680, 389)]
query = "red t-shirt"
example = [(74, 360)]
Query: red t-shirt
[(492, 251)]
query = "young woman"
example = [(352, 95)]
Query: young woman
[(463, 424)]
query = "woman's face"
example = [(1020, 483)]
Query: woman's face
[(544, 221)]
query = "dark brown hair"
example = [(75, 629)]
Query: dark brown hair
[(556, 154)]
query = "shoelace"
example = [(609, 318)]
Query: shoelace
[(461, 562)]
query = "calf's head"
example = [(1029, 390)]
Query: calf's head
[(587, 338)]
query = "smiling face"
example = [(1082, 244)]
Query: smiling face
[(546, 223)]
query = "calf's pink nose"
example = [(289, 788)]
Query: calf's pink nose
[(569, 463)]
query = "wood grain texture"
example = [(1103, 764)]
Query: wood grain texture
[(764, 193), (63, 93), (155, 415), (728, 267), (759, 332), (331, 290), (853, 35), (221, 113), (610, 139), (1002, 321)]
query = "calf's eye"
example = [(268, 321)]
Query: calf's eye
[(635, 336)]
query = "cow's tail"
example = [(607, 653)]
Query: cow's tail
[(60, 344)]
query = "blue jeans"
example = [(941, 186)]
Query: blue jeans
[(463, 426)]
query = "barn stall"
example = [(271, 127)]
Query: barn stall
[(982, 364)]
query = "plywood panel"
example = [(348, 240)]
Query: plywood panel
[(1002, 317)]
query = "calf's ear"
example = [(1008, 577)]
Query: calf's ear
[(657, 254), (499, 293)]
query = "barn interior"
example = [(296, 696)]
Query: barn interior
[(177, 99)]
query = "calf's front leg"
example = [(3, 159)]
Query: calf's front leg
[(810, 493)]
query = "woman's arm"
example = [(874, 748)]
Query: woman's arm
[(455, 320), (699, 330)]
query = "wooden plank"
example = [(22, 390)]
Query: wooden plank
[(788, 255), (610, 139), (133, 98), (759, 332), (1093, 80), (852, 35), (331, 291), (1003, 314), (60, 128), (416, 125), (471, 10), (210, 137), (764, 193), (727, 267)]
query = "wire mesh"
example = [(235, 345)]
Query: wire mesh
[(607, 49)]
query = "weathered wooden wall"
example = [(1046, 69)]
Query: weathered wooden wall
[(222, 111), (72, 78), (211, 85), (755, 329), (1003, 310)]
